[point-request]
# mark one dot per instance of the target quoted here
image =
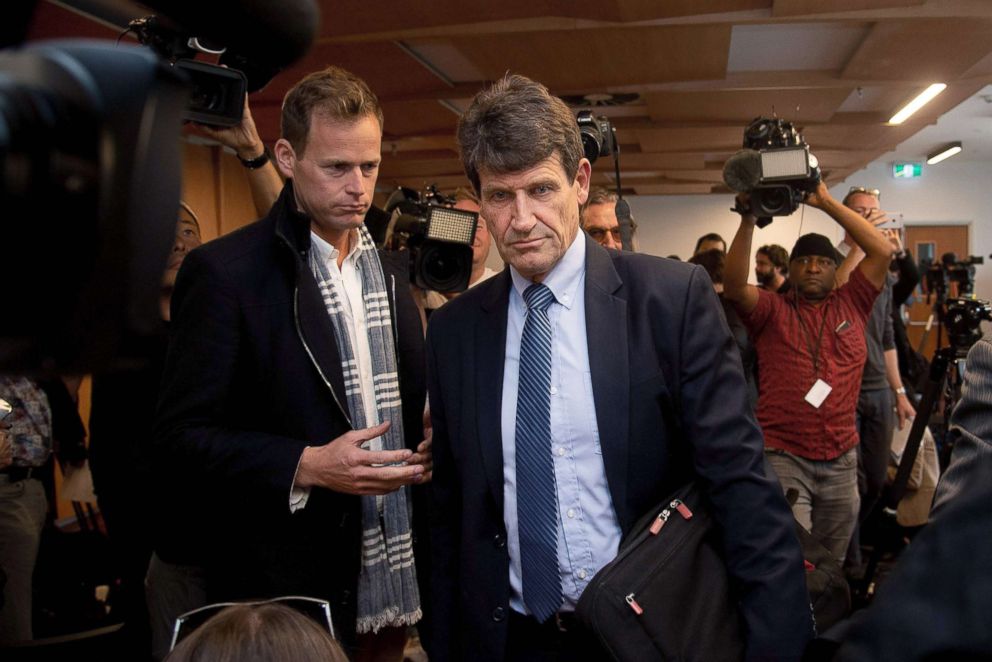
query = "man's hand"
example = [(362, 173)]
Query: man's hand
[(424, 457), (893, 236), (344, 466), (904, 410), (819, 197), (243, 137), (742, 205)]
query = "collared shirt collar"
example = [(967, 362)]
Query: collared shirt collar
[(564, 278), (327, 253)]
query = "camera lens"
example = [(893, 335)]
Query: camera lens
[(773, 201), (444, 266)]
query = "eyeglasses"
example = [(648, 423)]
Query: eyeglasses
[(821, 262), (867, 191), (600, 233), (318, 610)]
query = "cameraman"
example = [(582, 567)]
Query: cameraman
[(811, 349)]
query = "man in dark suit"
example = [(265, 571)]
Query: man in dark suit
[(569, 395), (293, 391)]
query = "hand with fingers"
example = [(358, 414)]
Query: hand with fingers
[(904, 410), (344, 466), (243, 137), (424, 457)]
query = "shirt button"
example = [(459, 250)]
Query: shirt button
[(554, 390), (570, 513), (561, 451), (582, 574)]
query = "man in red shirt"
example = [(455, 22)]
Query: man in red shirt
[(811, 349)]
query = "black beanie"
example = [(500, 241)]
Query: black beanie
[(814, 244)]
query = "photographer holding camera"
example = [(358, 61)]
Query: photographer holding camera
[(293, 393), (811, 349)]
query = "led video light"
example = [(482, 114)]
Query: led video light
[(786, 163), (454, 225)]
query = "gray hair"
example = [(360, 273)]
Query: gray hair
[(515, 125)]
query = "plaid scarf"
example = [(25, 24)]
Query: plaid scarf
[(387, 583)]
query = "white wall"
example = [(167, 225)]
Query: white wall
[(951, 192)]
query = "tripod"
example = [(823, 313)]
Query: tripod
[(943, 369)]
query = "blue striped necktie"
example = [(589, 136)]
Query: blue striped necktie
[(537, 503)]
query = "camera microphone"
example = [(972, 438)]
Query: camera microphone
[(742, 171)]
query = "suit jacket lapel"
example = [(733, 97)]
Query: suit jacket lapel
[(609, 356), (490, 353)]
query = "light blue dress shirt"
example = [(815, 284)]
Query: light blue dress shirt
[(588, 530)]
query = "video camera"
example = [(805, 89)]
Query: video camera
[(775, 167), (216, 93), (939, 276), (90, 165), (438, 237), (963, 318)]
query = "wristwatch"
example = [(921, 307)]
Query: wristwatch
[(901, 390), (257, 162)]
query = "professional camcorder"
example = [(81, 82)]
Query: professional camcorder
[(775, 167), (963, 318), (90, 164), (438, 237), (949, 270), (216, 93)]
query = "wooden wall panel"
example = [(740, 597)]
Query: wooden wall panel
[(814, 105), (570, 60), (926, 51), (806, 7)]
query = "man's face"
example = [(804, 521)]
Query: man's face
[(813, 276), (533, 214), (863, 204), (187, 238), (600, 221), (334, 177), (710, 244), (482, 242), (764, 270)]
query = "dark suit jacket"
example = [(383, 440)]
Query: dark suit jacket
[(670, 405), (252, 377)]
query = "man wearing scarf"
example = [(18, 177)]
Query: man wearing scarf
[(293, 394)]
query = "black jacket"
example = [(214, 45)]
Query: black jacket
[(252, 377)]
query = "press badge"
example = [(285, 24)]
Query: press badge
[(818, 393)]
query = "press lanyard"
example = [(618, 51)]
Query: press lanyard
[(814, 350)]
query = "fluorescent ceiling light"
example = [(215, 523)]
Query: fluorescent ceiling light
[(925, 97), (945, 152)]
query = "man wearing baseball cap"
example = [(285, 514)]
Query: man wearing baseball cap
[(811, 349)]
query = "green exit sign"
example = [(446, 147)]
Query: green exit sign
[(907, 170)]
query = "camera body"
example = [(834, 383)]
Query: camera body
[(438, 237), (788, 171), (963, 318), (217, 94), (949, 270), (598, 135)]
